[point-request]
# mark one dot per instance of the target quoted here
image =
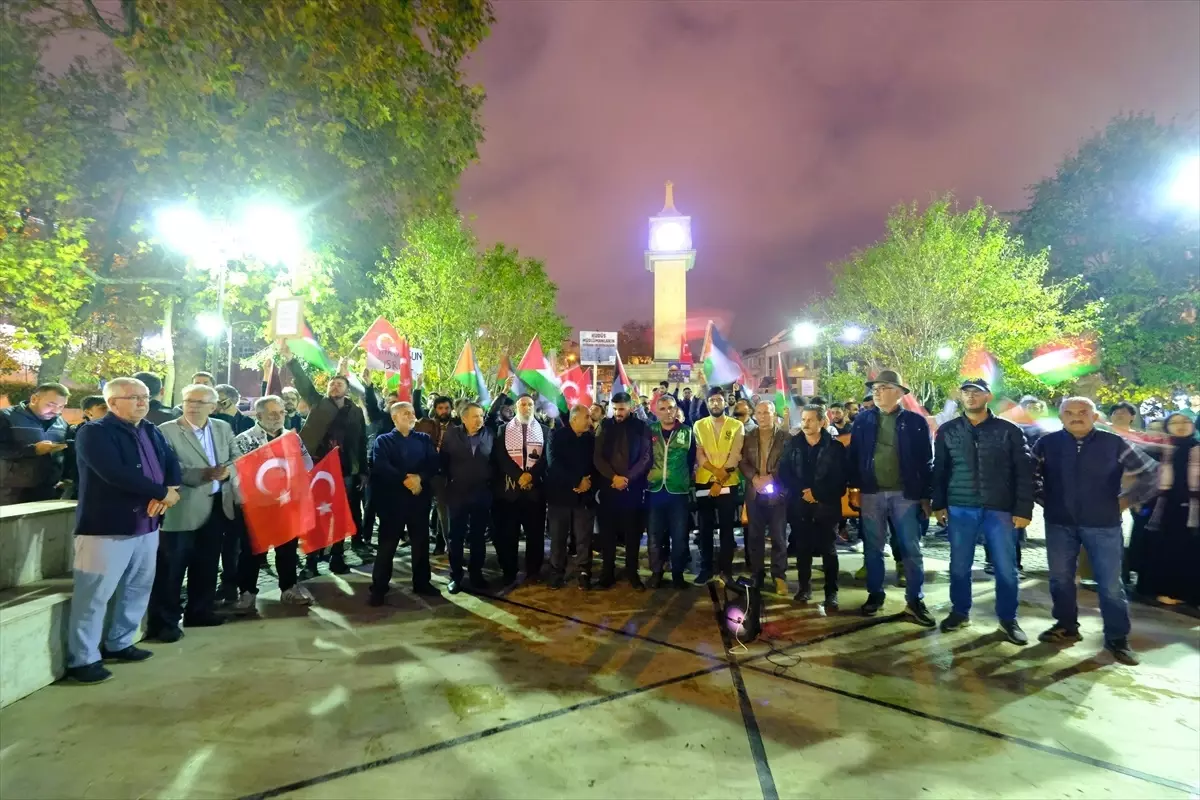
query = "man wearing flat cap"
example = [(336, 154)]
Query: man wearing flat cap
[(890, 463)]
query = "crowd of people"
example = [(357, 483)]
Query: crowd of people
[(158, 501)]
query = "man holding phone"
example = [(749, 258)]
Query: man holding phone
[(32, 440)]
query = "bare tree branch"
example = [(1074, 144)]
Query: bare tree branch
[(106, 28)]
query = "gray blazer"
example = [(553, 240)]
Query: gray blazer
[(195, 495), (750, 453)]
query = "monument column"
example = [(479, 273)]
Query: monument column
[(669, 257)]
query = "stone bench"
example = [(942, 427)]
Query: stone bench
[(36, 553)]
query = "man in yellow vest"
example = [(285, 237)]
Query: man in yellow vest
[(718, 453)]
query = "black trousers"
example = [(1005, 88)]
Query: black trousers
[(394, 522), (195, 553), (287, 559), (620, 524), (367, 529), (468, 524), (337, 552), (11, 495), (528, 516), (717, 514), (563, 523), (815, 529)]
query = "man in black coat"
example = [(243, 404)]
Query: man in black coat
[(403, 463), (158, 413), (32, 440), (572, 502), (622, 460), (813, 473), (521, 469), (982, 484), (467, 463)]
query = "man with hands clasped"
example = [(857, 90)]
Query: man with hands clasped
[(982, 484)]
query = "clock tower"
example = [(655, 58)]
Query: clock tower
[(669, 257)]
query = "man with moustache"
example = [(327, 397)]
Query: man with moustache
[(569, 471), (622, 460), (766, 503), (520, 495), (403, 462), (669, 492), (718, 453)]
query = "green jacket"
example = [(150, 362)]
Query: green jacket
[(671, 466)]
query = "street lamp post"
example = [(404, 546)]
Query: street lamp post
[(808, 335)]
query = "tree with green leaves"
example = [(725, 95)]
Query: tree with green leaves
[(439, 290), (1108, 218), (43, 241), (944, 279)]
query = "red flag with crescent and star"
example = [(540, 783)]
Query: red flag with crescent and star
[(334, 522), (576, 387), (275, 496), (383, 346)]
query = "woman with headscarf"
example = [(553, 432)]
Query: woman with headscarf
[(1172, 559)]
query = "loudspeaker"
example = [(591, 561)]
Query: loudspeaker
[(743, 610)]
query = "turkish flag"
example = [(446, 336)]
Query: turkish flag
[(404, 374), (685, 351), (382, 344), (576, 387), (275, 496), (334, 522)]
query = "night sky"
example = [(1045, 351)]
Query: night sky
[(789, 129)]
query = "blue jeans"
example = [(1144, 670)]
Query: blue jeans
[(670, 518), (1105, 547), (996, 527), (108, 566), (468, 524), (876, 510)]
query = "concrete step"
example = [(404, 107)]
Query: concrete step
[(36, 542), (33, 624)]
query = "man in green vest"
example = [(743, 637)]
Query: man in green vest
[(669, 491)]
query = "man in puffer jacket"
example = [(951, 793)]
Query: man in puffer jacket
[(982, 483)]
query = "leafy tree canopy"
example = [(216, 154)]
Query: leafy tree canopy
[(1107, 216), (439, 290), (944, 278)]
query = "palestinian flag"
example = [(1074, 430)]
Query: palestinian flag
[(505, 372), (1063, 361), (536, 372), (468, 374), (721, 362), (782, 401), (306, 348)]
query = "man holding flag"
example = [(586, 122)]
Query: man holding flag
[(334, 421)]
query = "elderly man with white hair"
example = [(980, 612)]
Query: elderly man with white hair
[(128, 476), (1079, 480), (194, 529), (272, 423)]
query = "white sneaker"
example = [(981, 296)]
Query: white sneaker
[(246, 604), (297, 596)]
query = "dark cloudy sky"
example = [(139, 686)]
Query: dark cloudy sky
[(789, 128)]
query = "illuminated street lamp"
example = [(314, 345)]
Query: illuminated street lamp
[(851, 334), (806, 334), (264, 234), (945, 352), (1184, 190)]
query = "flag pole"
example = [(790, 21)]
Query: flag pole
[(595, 383)]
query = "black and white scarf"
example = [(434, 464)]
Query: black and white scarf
[(525, 452)]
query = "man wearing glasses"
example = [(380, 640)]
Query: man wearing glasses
[(128, 477), (194, 529), (891, 457)]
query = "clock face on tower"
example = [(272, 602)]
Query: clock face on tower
[(670, 235)]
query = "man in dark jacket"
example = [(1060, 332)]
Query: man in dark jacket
[(435, 427), (766, 501), (1078, 476), (571, 498), (93, 408), (228, 411), (334, 421), (32, 440), (812, 474), (982, 484), (466, 457), (128, 477), (158, 413), (622, 461), (890, 462), (520, 472), (403, 463)]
